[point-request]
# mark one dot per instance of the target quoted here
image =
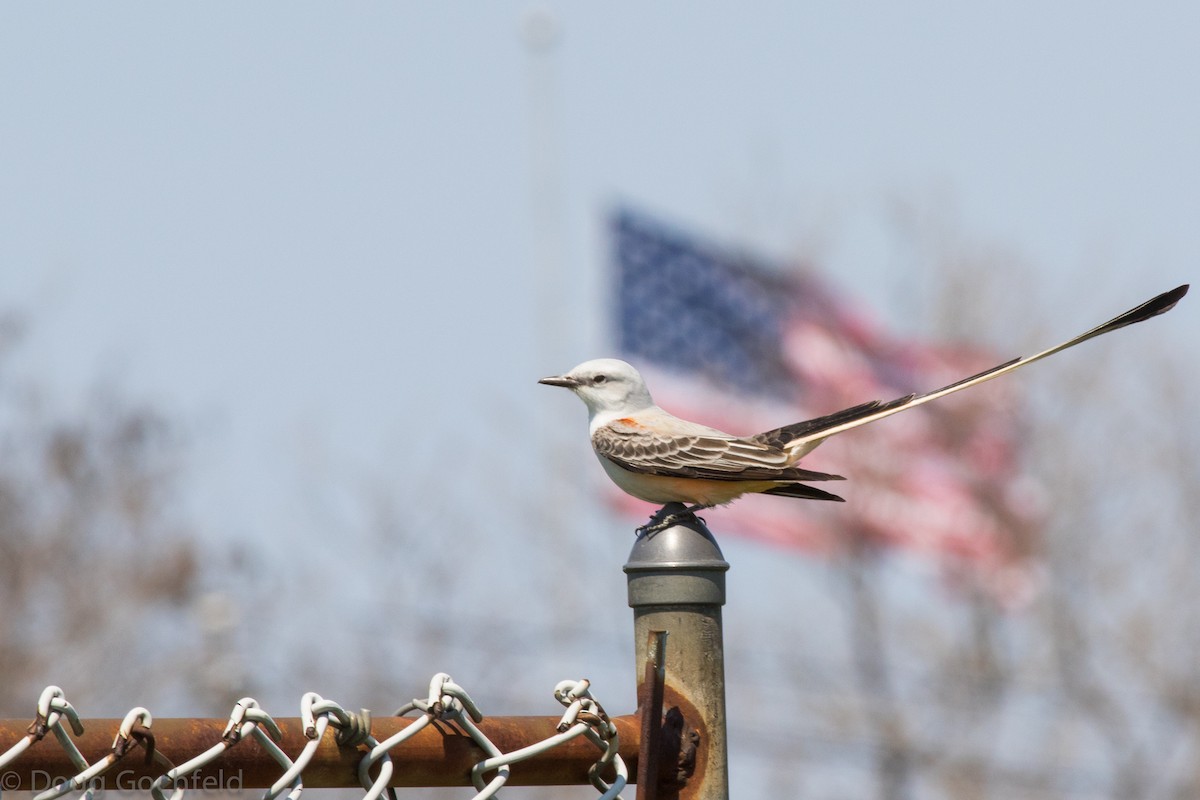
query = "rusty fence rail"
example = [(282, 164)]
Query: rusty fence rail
[(448, 743), (674, 745)]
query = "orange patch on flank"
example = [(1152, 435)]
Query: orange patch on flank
[(630, 422)]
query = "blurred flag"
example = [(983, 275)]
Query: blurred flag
[(733, 343)]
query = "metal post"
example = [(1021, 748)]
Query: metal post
[(676, 580)]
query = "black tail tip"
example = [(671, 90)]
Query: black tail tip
[(1169, 299), (1151, 308), (1164, 302)]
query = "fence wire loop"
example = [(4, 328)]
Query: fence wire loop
[(317, 714), (247, 719), (135, 730), (355, 729), (584, 717), (600, 730), (52, 706), (447, 700)]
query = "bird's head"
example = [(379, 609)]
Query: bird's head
[(606, 385)]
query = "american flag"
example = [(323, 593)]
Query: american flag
[(732, 342)]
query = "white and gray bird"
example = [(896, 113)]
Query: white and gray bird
[(660, 458)]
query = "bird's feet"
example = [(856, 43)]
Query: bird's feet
[(659, 521)]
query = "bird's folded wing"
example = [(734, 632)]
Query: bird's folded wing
[(780, 437), (638, 448)]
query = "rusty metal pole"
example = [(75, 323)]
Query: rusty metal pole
[(676, 582)]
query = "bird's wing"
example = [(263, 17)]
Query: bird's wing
[(801, 437), (665, 445)]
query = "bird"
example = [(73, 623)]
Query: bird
[(663, 459)]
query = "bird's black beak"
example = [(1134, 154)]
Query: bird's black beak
[(560, 380)]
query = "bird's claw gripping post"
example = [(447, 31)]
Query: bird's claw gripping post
[(661, 520)]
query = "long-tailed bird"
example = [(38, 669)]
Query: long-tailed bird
[(661, 458)]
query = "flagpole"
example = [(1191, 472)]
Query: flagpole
[(540, 33)]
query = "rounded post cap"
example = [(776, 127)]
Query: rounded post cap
[(680, 564)]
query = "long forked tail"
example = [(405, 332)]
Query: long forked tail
[(801, 437)]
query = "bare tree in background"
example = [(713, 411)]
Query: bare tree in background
[(1092, 690), (1096, 680), (98, 574)]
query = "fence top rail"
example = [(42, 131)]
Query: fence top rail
[(447, 743)]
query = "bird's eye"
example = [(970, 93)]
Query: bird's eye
[(599, 379)]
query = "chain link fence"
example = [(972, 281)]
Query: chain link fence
[(583, 745)]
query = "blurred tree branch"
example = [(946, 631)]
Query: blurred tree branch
[(1093, 690), (97, 571)]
